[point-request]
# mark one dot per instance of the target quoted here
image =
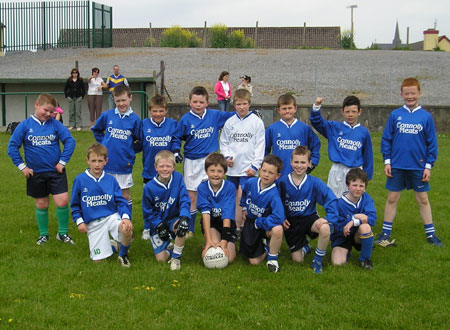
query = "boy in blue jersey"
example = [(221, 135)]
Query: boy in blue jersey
[(263, 213), (286, 134), (99, 209), (216, 202), (409, 147), (300, 193), (200, 129), (349, 143), (45, 164), (156, 135), (357, 216), (166, 205), (117, 129), (242, 144)]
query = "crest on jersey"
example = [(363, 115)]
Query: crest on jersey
[(149, 130), (341, 133), (279, 135), (110, 122), (399, 118), (31, 130), (85, 190), (192, 126)]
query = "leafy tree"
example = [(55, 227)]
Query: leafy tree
[(346, 40), (237, 39), (179, 38), (218, 36)]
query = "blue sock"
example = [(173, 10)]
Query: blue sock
[(192, 220), (366, 246), (319, 255), (130, 208), (429, 230), (306, 249), (387, 228), (123, 250), (272, 256)]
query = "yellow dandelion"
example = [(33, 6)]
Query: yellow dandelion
[(10, 320)]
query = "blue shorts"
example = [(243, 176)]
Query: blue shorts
[(238, 180), (347, 242), (406, 179), (157, 243)]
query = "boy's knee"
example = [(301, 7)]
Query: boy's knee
[(324, 230), (364, 228), (277, 232), (393, 197), (162, 256), (297, 256)]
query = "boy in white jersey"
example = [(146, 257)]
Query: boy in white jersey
[(100, 210), (242, 142)]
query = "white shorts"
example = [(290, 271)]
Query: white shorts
[(98, 232), (336, 179), (124, 180), (194, 173)]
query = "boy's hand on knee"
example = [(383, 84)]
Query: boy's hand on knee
[(230, 162), (163, 231), (320, 222), (82, 228), (224, 245), (286, 224), (388, 170), (426, 175), (126, 226), (183, 226), (347, 228)]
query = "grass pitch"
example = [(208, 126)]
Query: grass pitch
[(57, 286)]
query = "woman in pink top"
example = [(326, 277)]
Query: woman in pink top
[(223, 91)]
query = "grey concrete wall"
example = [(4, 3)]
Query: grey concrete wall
[(15, 104), (373, 117)]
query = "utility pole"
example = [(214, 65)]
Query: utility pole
[(352, 30)]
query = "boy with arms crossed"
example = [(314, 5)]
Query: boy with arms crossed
[(357, 216), (263, 213), (200, 129), (117, 129), (409, 147), (300, 193), (165, 205), (349, 143), (45, 164), (242, 143), (99, 209), (216, 202), (156, 135), (286, 134)]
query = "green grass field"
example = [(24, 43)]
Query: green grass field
[(57, 286)]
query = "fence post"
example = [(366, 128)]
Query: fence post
[(256, 35), (304, 35), (204, 36), (161, 70), (44, 40), (315, 81), (3, 105), (151, 34)]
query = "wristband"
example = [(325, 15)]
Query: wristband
[(79, 221), (356, 222)]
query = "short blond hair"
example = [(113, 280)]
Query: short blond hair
[(98, 149), (47, 99), (165, 154), (242, 94)]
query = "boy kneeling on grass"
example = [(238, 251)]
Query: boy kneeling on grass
[(263, 213), (357, 216), (99, 208)]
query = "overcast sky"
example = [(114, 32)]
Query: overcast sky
[(374, 21)]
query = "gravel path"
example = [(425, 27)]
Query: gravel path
[(374, 76)]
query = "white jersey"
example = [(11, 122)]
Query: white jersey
[(244, 140)]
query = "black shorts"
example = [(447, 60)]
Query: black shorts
[(338, 239), (145, 180), (45, 183), (300, 227), (251, 244), (217, 224)]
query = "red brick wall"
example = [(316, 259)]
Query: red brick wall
[(268, 37)]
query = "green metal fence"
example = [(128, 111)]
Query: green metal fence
[(101, 26), (52, 24)]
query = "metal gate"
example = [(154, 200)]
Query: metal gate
[(54, 24), (101, 26)]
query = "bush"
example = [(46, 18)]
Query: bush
[(237, 39), (149, 42), (179, 38), (218, 36), (346, 40)]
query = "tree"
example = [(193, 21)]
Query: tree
[(179, 38), (237, 39), (346, 40), (218, 36)]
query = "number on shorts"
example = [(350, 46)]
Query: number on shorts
[(156, 241)]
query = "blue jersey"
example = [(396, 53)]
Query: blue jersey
[(201, 133), (162, 202), (41, 145), (301, 200), (220, 204), (283, 138), (347, 145), (409, 139), (94, 198), (263, 206), (154, 138), (118, 132), (347, 209)]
